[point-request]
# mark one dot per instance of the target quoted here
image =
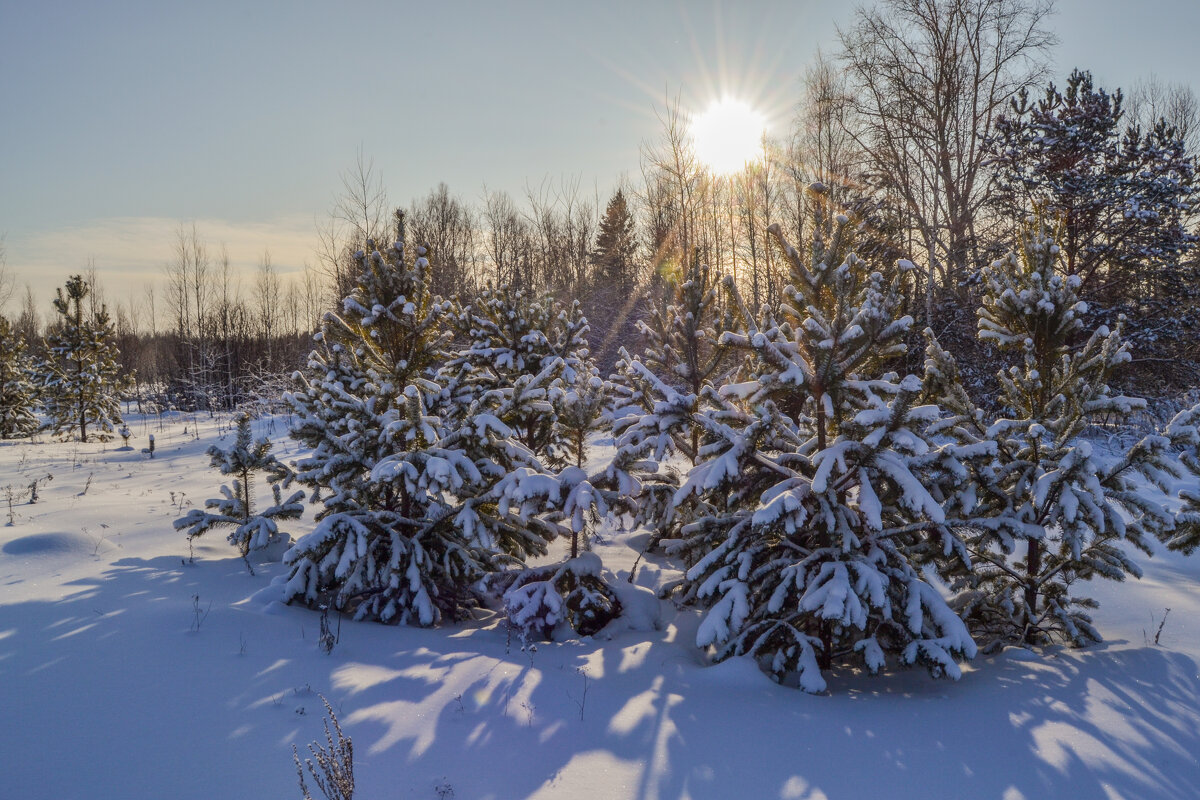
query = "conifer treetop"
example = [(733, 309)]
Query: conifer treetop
[(81, 378)]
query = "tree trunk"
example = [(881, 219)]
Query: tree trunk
[(1033, 565), (826, 660)]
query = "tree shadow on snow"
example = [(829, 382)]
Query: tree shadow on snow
[(116, 667), (651, 723), (147, 680)]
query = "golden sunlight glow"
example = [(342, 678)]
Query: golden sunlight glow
[(728, 135)]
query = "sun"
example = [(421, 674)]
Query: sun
[(728, 135)]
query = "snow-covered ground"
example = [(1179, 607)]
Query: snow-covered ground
[(127, 672)]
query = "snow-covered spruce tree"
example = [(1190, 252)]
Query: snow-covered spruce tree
[(657, 394), (252, 530), (1040, 509), (515, 337), (410, 518), (18, 395), (527, 364), (817, 521), (1183, 431), (81, 377), (582, 413), (561, 504)]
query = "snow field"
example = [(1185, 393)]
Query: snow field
[(115, 681)]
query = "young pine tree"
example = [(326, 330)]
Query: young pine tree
[(81, 377), (1040, 510), (413, 510), (1183, 431), (683, 355), (18, 395), (582, 413), (815, 521), (244, 461), (657, 394), (527, 365), (520, 340)]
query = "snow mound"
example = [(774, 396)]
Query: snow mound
[(641, 610), (273, 551), (1013, 653), (270, 595), (740, 671), (46, 544)]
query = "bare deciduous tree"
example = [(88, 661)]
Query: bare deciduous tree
[(508, 242), (293, 307), (227, 313), (189, 292), (8, 281), (267, 301), (446, 226), (314, 304), (1151, 99), (928, 78), (360, 212), (658, 221), (821, 149), (151, 364), (29, 322), (362, 206), (671, 164)]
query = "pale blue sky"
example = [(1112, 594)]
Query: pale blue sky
[(118, 120)]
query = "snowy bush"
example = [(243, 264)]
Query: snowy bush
[(332, 764), (537, 600)]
